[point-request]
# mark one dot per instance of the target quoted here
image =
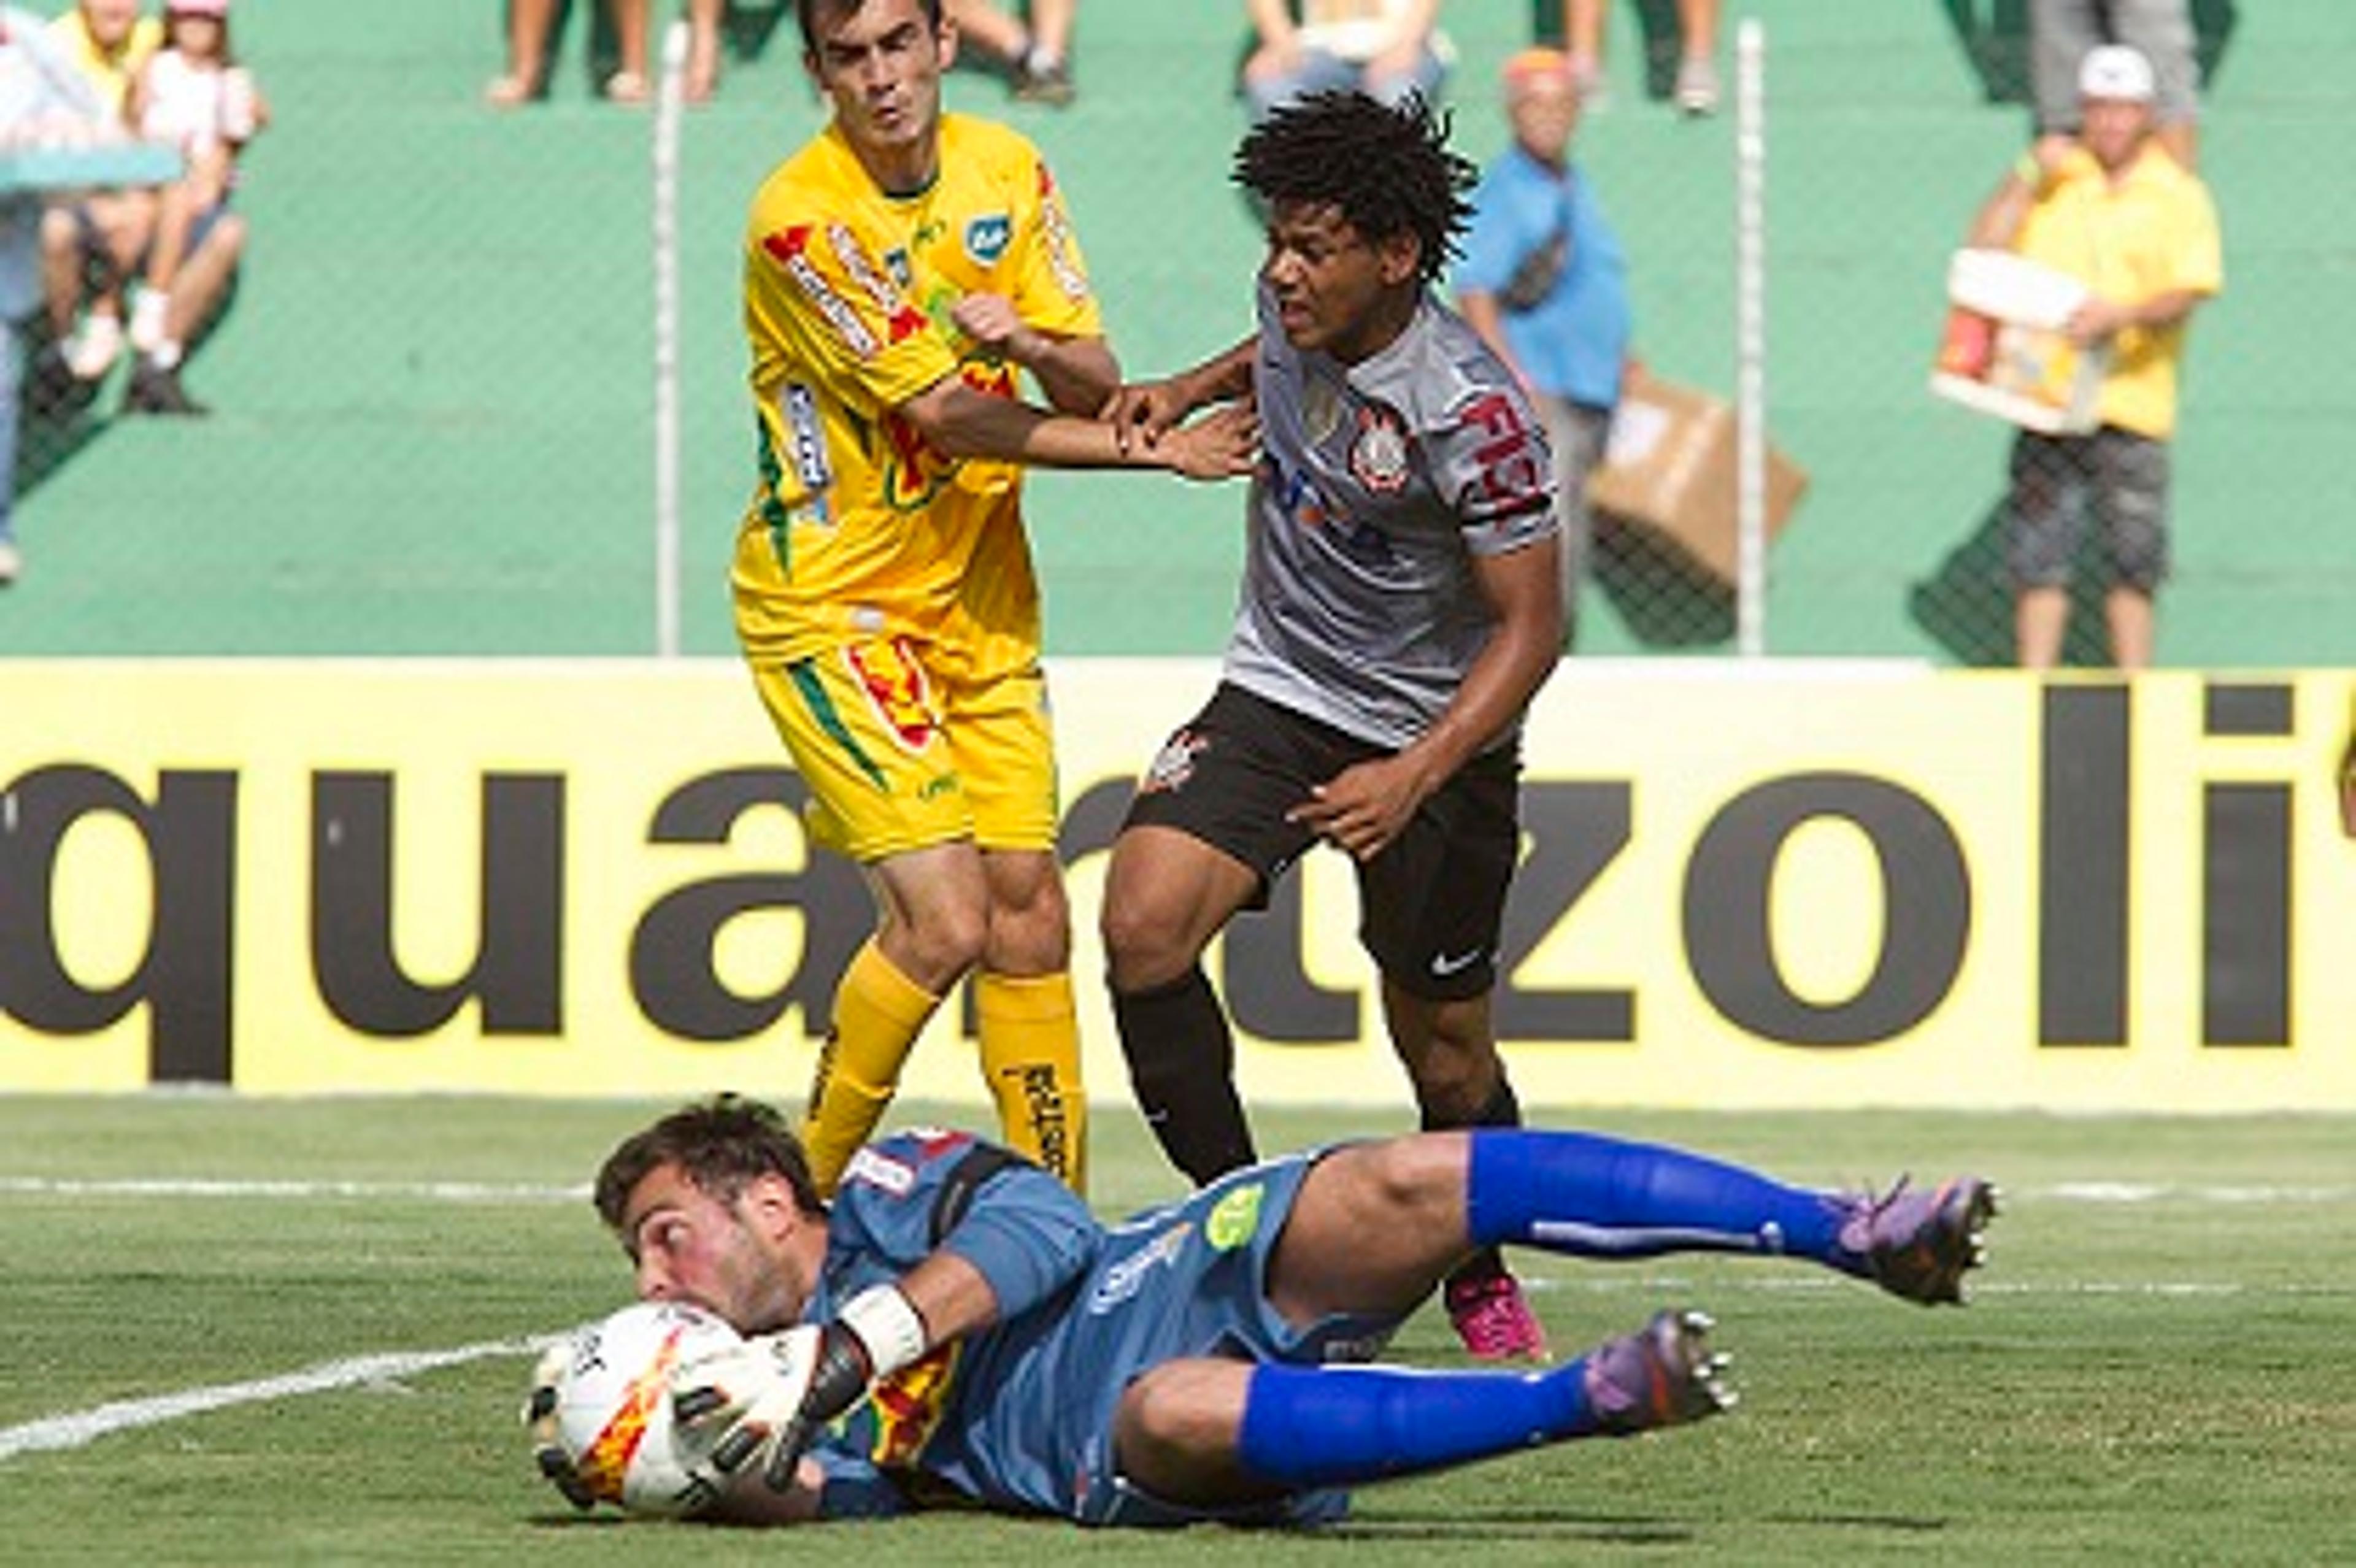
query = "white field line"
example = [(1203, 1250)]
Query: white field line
[(80, 1427), (233, 1186)]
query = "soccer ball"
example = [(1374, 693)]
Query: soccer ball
[(613, 1407)]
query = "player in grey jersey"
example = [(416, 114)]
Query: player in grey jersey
[(1399, 609)]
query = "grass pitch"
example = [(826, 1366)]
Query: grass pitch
[(2155, 1368)]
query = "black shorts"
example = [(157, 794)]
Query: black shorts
[(2117, 477), (1430, 907)]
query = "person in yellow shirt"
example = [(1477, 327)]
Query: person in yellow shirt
[(900, 270), (2112, 208)]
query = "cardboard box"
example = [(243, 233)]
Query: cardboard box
[(1670, 468), (2004, 352)]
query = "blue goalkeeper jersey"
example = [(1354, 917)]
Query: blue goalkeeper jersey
[(1020, 1415)]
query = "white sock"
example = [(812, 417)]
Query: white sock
[(91, 350), (166, 354), (147, 319)]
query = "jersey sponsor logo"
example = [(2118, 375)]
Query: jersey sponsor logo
[(790, 249), (987, 237), (1513, 476), (1126, 1278), (1379, 452), (1235, 1219), (907, 1406), (798, 405), (897, 688), (1298, 496), (894, 1177), (902, 320), (1062, 251), (1174, 764), (1304, 508)]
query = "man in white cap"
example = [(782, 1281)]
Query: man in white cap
[(2109, 208), (2061, 32)]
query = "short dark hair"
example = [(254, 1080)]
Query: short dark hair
[(1387, 170), (722, 1145), (806, 13)]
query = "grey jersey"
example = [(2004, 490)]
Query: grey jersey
[(1381, 481)]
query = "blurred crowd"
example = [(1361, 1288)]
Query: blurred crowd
[(121, 132)]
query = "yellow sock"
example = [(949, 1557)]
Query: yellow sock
[(878, 1012), (1031, 1060)]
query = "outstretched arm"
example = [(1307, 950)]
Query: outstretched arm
[(1142, 412), (960, 421)]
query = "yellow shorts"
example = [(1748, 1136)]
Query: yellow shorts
[(901, 753)]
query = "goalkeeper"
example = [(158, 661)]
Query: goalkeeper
[(956, 1326)]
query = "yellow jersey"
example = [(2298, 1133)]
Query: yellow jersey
[(2152, 231), (859, 529), (109, 71)]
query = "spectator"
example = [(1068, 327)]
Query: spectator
[(1035, 55), (2061, 31), (2112, 209), (1384, 48), (531, 26), (93, 247), (193, 94), (1545, 284), (1697, 83), (42, 97)]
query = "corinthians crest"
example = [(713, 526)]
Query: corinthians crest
[(1378, 454)]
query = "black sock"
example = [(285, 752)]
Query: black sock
[(1503, 1110), (1182, 1068)]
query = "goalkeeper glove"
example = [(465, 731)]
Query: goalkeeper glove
[(773, 1394), (540, 1420)]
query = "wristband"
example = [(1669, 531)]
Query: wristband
[(888, 1327), (2028, 171)]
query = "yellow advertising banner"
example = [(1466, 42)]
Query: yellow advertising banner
[(1746, 886)]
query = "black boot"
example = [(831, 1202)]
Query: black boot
[(153, 390)]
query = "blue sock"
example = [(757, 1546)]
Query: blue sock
[(1337, 1427), (1592, 1196)]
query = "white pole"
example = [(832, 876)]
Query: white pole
[(668, 95), (1750, 339)]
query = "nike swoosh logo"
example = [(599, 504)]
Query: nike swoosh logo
[(1444, 965)]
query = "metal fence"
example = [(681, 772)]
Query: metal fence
[(436, 409)]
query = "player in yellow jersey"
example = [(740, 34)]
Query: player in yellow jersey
[(900, 271)]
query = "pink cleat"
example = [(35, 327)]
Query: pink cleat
[(1494, 1321)]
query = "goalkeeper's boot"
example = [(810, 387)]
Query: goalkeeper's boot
[(1492, 1318), (1919, 1243), (1664, 1374)]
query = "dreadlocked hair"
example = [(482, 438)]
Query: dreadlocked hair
[(1387, 170)]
